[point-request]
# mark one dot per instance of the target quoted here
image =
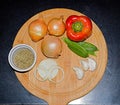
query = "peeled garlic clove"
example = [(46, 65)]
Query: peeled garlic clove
[(79, 72), (92, 64), (84, 64)]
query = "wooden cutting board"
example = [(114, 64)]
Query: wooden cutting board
[(70, 88)]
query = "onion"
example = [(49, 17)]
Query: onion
[(51, 46), (37, 29), (48, 72), (56, 26)]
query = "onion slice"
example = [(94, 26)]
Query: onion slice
[(47, 70), (50, 77), (39, 78)]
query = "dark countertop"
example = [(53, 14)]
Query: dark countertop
[(105, 13)]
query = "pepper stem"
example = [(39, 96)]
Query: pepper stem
[(77, 26)]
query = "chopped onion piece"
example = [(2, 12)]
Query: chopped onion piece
[(79, 72), (50, 76), (53, 71), (39, 78), (44, 67), (47, 70)]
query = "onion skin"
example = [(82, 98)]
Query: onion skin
[(51, 46), (37, 29), (56, 26)]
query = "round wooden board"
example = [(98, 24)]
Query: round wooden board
[(70, 88)]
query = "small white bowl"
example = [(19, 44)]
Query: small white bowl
[(13, 52)]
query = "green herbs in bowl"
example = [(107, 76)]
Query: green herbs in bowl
[(22, 57)]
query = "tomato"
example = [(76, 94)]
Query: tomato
[(78, 28)]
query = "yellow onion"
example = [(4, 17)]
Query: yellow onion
[(56, 26), (37, 29), (51, 46)]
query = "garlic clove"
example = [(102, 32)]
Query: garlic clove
[(79, 72), (92, 64), (84, 64)]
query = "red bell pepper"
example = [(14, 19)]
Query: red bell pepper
[(78, 27)]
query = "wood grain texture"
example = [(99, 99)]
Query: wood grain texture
[(70, 88)]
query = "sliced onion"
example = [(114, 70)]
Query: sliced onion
[(39, 78), (53, 71), (47, 70), (44, 66), (52, 76)]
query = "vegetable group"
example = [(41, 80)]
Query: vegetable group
[(78, 27)]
